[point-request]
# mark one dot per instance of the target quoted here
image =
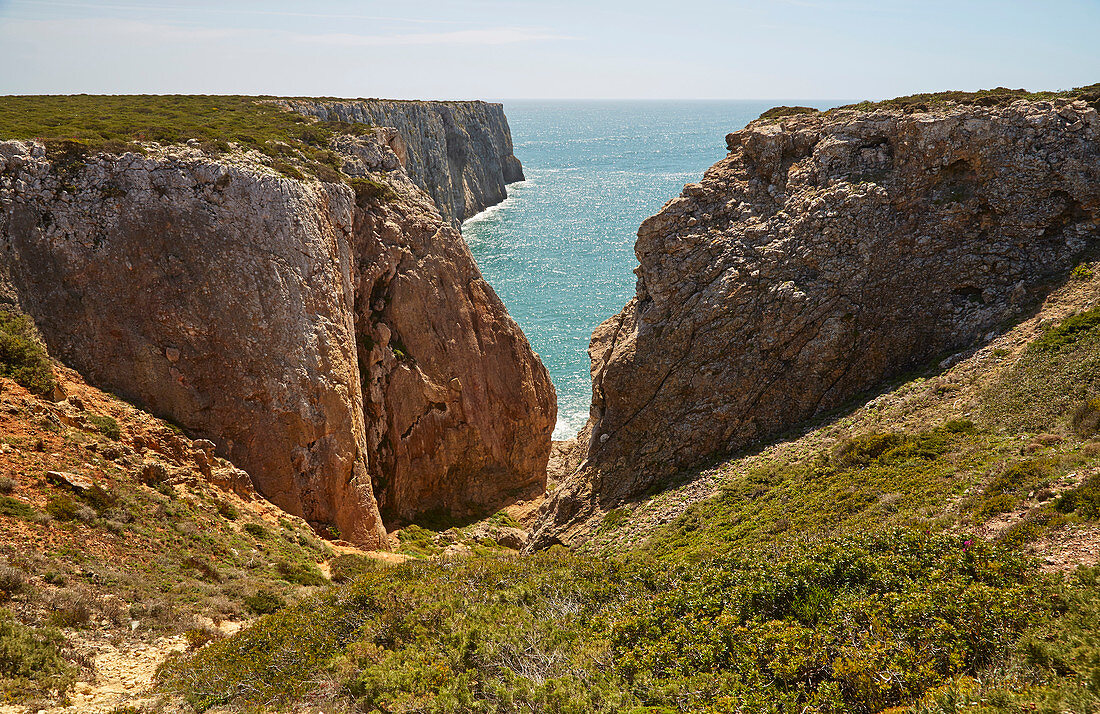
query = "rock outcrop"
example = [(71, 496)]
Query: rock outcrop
[(824, 254), (460, 153), (342, 349)]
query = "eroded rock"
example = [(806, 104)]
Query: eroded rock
[(824, 254), (310, 334)]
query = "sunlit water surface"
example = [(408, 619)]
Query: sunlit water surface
[(560, 250)]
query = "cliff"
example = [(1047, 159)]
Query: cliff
[(338, 344), (460, 153), (824, 254)]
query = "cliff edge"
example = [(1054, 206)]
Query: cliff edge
[(335, 339), (824, 254), (460, 153)]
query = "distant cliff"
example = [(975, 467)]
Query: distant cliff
[(335, 339), (460, 153), (824, 254)]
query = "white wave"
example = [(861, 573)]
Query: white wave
[(569, 423), (494, 209)]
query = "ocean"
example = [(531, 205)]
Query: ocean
[(560, 250)]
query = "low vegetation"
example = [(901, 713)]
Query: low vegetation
[(999, 96), (72, 127), (860, 574), (22, 356)]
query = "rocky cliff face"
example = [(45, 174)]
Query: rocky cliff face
[(824, 254), (344, 350), (460, 153)]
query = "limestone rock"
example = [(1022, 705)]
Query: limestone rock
[(460, 153), (73, 482), (824, 254), (314, 335)]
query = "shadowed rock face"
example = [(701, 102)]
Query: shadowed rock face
[(460, 153), (824, 254), (348, 355)]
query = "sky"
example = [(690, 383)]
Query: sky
[(499, 50)]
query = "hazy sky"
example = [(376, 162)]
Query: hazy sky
[(493, 49)]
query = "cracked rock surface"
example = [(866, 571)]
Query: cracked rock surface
[(345, 352), (825, 254)]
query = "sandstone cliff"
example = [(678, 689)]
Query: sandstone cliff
[(342, 348), (826, 253), (460, 153)]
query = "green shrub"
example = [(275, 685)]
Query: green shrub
[(995, 505), (264, 602), (227, 511), (368, 191), (63, 508), (256, 530), (300, 572), (857, 623), (348, 566), (1068, 331), (22, 357), (779, 112), (1085, 499), (15, 508), (1019, 476), (108, 426), (99, 498), (1081, 272), (31, 662), (204, 568)]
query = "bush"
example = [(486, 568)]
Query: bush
[(71, 608), (348, 566), (12, 581), (852, 624), (264, 602), (31, 662), (300, 573), (1085, 419), (1068, 331), (108, 426), (256, 530), (63, 508), (22, 357), (1085, 499), (227, 511), (368, 191), (199, 637), (15, 508), (779, 112), (205, 569)]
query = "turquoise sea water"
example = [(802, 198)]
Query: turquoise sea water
[(560, 250)]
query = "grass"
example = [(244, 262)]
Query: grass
[(887, 478), (1056, 376), (75, 126)]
